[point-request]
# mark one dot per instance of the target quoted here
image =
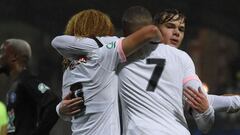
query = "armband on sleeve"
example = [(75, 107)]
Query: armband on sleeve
[(192, 81)]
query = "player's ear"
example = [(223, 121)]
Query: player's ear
[(14, 57)]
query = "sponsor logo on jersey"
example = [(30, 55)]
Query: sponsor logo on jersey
[(42, 87), (111, 45)]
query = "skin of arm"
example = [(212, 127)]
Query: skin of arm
[(134, 41), (223, 103)]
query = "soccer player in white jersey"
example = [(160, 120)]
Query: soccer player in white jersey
[(96, 77), (175, 114), (135, 124), (151, 87), (169, 29), (173, 30), (85, 24)]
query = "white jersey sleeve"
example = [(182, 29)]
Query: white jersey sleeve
[(224, 103), (71, 47), (99, 84), (204, 120), (110, 54)]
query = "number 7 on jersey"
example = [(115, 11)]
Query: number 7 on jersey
[(157, 72)]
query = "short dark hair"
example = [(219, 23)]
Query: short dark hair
[(135, 17), (168, 15), (22, 48)]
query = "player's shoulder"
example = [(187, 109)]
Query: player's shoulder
[(108, 39), (175, 50), (86, 40), (58, 40)]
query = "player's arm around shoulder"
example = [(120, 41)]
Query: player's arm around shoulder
[(116, 51), (203, 113), (229, 103), (71, 47), (136, 39)]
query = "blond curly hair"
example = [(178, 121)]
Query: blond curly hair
[(88, 23)]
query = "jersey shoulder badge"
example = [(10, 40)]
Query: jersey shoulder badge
[(43, 87), (111, 45)]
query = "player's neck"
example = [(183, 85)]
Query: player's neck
[(16, 70)]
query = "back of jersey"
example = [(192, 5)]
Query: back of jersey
[(99, 86), (151, 91)]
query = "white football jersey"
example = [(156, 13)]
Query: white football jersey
[(151, 90), (99, 82), (151, 85)]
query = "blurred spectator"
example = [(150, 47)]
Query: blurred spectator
[(30, 103)]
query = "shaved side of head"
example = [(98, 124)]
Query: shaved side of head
[(21, 48)]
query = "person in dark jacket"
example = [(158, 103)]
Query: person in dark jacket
[(30, 103)]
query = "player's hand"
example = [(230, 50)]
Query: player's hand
[(158, 36), (197, 100), (71, 106)]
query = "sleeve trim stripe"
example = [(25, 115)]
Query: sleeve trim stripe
[(120, 51), (189, 78)]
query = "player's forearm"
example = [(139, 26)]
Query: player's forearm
[(133, 41), (204, 120), (224, 103), (63, 45), (70, 47)]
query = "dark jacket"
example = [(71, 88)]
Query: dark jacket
[(31, 106)]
